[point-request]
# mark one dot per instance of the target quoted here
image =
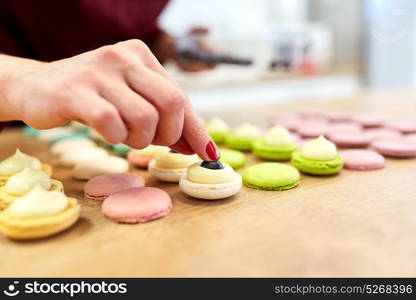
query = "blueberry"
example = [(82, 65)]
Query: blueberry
[(213, 165)]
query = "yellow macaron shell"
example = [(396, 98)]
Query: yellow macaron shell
[(198, 174), (247, 130), (169, 160), (319, 149), (151, 150), (24, 181), (38, 203), (216, 125), (278, 136), (17, 162)]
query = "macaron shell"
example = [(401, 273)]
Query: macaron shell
[(400, 148), (368, 121), (107, 184), (312, 129), (137, 205), (356, 159), (339, 116), (411, 137), (271, 176), (317, 167), (121, 149), (350, 139), (273, 152), (236, 159), (239, 143), (291, 123), (218, 137), (382, 133), (344, 127), (89, 169), (405, 126), (138, 160), (166, 175), (211, 191), (70, 159)]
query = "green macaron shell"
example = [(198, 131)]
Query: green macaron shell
[(121, 149), (239, 143), (317, 167), (234, 158), (29, 131), (271, 176), (218, 137), (273, 152)]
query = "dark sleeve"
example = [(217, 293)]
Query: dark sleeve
[(9, 41)]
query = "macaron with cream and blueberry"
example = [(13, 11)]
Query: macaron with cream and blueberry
[(277, 144), (318, 157), (210, 180)]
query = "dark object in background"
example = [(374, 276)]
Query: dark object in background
[(214, 58)]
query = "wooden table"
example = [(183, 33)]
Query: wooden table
[(353, 224)]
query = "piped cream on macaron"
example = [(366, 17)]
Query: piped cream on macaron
[(218, 129), (318, 157), (17, 162), (319, 149), (242, 137), (38, 214), (210, 180), (277, 144)]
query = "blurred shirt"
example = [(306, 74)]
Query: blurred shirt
[(53, 29)]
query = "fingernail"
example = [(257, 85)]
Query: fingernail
[(212, 151)]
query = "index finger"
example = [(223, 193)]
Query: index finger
[(198, 138)]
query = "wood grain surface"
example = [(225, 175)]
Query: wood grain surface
[(353, 224)]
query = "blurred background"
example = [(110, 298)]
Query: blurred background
[(282, 50)]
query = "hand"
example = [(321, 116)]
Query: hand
[(120, 90)]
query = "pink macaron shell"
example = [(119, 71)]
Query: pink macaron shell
[(138, 160), (137, 205), (304, 141), (348, 139), (345, 127), (396, 147), (312, 115), (404, 126), (290, 123), (100, 187), (339, 116), (368, 121), (312, 129), (357, 159), (411, 137), (383, 133)]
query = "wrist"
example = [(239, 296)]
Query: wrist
[(10, 68)]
